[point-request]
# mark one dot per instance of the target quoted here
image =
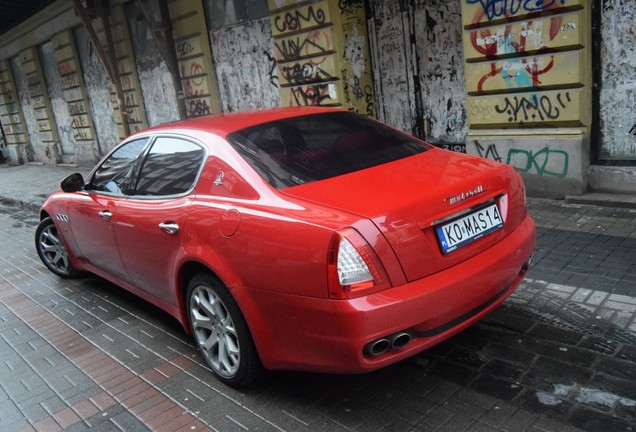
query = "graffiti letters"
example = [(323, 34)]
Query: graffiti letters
[(82, 134), (488, 153), (457, 148), (368, 98), (273, 78), (349, 6), (311, 95), (184, 48), (313, 43), (295, 20), (544, 162), (70, 80), (501, 8), (533, 108), (304, 73), (79, 121), (197, 107)]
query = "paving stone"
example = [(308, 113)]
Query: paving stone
[(590, 420), (496, 387)]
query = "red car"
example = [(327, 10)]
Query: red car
[(305, 239)]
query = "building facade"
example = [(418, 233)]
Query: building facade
[(548, 87)]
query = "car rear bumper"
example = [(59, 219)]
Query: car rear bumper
[(304, 333)]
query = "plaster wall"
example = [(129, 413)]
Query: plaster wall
[(27, 152), (618, 87), (245, 66), (97, 92)]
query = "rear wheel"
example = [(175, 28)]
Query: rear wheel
[(220, 331), (52, 251)]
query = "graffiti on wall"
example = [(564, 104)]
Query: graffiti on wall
[(532, 52), (305, 56), (73, 89), (542, 162), (488, 10), (300, 19), (618, 92), (10, 112), (534, 108), (539, 108), (247, 47), (193, 49), (312, 69)]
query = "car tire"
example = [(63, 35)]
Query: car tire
[(52, 250), (220, 331)]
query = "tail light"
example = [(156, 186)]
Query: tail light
[(353, 267)]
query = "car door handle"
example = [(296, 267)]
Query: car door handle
[(171, 228), (105, 214)]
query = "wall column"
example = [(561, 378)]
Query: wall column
[(528, 81), (322, 53), (11, 114)]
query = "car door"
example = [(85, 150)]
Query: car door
[(91, 213), (150, 225)]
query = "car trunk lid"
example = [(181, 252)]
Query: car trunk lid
[(409, 198)]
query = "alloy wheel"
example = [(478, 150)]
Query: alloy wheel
[(52, 250), (214, 331)]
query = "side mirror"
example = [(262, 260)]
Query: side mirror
[(73, 183)]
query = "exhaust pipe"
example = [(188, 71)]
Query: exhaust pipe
[(399, 340), (527, 264), (377, 347), (393, 342)]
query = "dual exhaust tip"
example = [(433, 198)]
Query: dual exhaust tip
[(393, 342)]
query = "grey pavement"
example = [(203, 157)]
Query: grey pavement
[(558, 355)]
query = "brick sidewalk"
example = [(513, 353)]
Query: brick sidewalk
[(559, 355)]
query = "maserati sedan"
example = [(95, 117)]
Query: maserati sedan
[(296, 239)]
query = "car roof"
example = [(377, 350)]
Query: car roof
[(225, 123)]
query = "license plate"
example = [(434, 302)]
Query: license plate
[(467, 229)]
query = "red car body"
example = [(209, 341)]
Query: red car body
[(274, 248)]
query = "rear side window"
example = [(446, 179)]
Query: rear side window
[(170, 168), (303, 149), (114, 175)]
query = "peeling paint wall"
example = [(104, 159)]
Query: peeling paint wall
[(33, 136), (392, 69), (66, 141), (441, 61), (98, 93), (245, 66), (157, 87), (618, 88), (419, 68)]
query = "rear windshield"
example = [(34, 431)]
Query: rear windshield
[(304, 149)]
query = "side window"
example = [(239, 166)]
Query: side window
[(170, 167), (115, 174)]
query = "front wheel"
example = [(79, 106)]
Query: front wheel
[(52, 251), (220, 331)]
